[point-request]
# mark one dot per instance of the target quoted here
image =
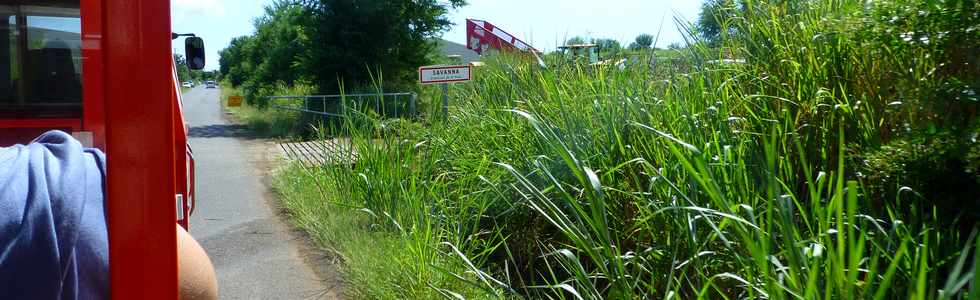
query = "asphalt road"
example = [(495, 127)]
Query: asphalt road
[(255, 254)]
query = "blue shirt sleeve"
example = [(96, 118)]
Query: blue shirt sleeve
[(53, 237)]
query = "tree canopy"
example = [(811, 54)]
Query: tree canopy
[(276, 53), (610, 46), (329, 43), (713, 14), (644, 41), (392, 37), (575, 40), (183, 72)]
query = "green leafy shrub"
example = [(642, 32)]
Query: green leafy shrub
[(918, 172)]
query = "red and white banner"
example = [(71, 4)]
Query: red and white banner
[(482, 36)]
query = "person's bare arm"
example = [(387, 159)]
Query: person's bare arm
[(195, 271)]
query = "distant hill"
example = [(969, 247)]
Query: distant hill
[(451, 48)]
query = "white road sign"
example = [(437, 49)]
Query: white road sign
[(444, 74)]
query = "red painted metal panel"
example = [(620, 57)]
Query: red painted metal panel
[(93, 95), (23, 131), (140, 142), (73, 124)]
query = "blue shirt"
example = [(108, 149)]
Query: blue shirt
[(53, 237)]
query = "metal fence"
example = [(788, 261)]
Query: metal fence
[(385, 104), (339, 151), (320, 153)]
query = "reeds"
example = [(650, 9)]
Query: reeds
[(678, 181)]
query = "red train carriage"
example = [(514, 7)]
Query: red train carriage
[(103, 71)]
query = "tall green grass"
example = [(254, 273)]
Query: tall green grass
[(680, 180), (378, 264)]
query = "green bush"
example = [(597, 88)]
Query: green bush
[(919, 172), (268, 121)]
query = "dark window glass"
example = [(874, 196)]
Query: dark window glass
[(42, 75), (9, 58)]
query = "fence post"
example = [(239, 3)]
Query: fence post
[(323, 108), (343, 106), (445, 101), (411, 105)]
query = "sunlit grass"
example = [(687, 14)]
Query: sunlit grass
[(377, 264), (267, 122), (688, 179)]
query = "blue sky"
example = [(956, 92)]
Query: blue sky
[(542, 23), (216, 21)]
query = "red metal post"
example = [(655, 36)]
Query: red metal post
[(93, 94), (140, 140)]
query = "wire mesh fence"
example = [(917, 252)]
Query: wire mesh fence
[(388, 105), (330, 109)]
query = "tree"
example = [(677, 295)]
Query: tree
[(358, 41), (234, 60), (183, 72), (608, 46), (282, 44), (577, 40), (330, 43), (644, 41), (212, 75), (715, 13)]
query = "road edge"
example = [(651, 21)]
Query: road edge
[(262, 154)]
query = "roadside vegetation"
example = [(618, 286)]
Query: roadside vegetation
[(796, 149), (327, 47), (335, 46), (838, 161), (264, 121), (377, 262)]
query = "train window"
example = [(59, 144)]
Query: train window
[(9, 62), (40, 61)]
